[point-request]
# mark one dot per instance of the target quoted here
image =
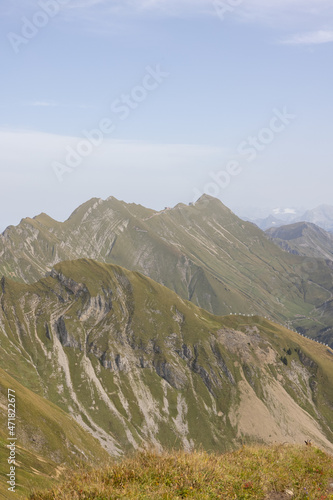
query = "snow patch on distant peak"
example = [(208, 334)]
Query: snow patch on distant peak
[(280, 211)]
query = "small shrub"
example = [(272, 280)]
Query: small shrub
[(284, 360)]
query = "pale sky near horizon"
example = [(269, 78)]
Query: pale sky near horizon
[(228, 97)]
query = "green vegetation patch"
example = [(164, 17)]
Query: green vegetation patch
[(249, 473)]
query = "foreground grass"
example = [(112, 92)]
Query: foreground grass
[(249, 473)]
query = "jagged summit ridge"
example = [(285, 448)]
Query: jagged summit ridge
[(203, 252)]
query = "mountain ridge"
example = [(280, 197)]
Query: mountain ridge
[(135, 364), (303, 238), (203, 252), (321, 216)]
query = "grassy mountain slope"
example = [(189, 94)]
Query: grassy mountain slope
[(134, 363), (304, 238), (203, 252), (48, 440), (277, 472)]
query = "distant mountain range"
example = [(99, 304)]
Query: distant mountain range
[(303, 238), (124, 327), (322, 216)]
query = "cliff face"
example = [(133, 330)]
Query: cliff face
[(133, 364)]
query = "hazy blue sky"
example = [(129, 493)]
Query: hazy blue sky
[(230, 97)]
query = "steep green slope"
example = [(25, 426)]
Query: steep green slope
[(303, 238), (47, 440), (203, 252), (135, 364)]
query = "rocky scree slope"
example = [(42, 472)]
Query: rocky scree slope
[(48, 440), (134, 364)]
